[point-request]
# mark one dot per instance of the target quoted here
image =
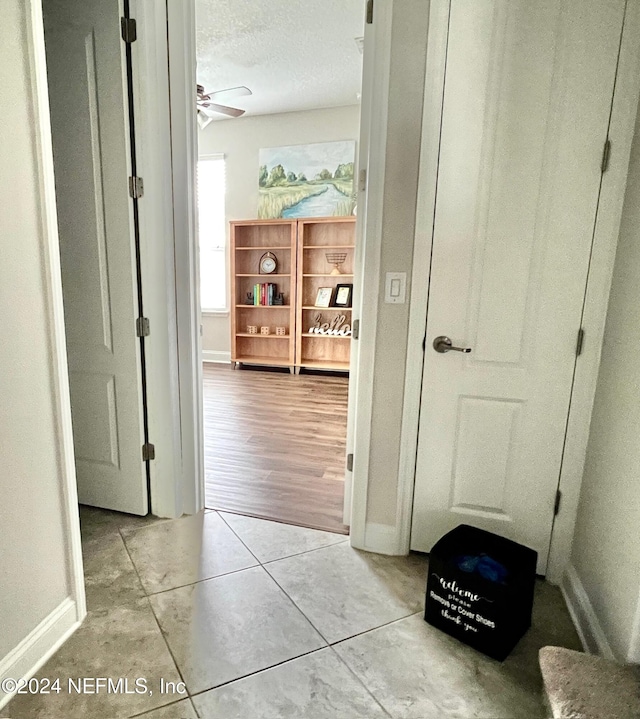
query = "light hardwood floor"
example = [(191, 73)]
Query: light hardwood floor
[(275, 445)]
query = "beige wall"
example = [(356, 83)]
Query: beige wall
[(606, 547), (34, 571), (240, 141), (408, 57)]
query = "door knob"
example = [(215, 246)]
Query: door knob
[(443, 344)]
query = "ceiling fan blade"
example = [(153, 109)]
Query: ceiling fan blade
[(230, 93), (224, 110)]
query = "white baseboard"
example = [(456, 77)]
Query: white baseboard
[(216, 356), (592, 636), (40, 645), (381, 539)]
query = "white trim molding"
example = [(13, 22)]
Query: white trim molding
[(585, 619), (605, 241), (40, 645), (53, 288), (182, 80), (216, 356), (633, 652), (373, 146), (153, 149)]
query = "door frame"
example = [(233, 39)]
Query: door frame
[(164, 95), (181, 22), (181, 162), (371, 175), (52, 278), (167, 156), (621, 129)]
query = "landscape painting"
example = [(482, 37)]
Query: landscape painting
[(307, 180)]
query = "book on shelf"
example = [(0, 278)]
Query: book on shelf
[(264, 294)]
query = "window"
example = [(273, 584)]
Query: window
[(212, 233)]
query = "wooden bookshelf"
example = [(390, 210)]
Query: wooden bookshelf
[(300, 247), (249, 241), (316, 237)]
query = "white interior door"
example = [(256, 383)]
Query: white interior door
[(87, 84), (528, 89)]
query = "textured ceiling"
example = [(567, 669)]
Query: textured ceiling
[(292, 54)]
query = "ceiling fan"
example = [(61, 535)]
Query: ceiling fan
[(206, 102)]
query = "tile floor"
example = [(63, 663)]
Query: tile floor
[(269, 621)]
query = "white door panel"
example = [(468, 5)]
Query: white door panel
[(90, 142), (528, 91)]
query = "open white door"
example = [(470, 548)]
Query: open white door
[(528, 91), (89, 116)]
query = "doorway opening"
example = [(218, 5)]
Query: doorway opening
[(279, 119)]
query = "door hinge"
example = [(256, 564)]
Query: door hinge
[(136, 187), (129, 29), (369, 12), (350, 463), (556, 506), (355, 330), (362, 183), (143, 328), (606, 154), (580, 342), (148, 452)]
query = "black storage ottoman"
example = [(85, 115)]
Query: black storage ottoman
[(480, 589)]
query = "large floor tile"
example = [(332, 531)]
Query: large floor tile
[(182, 551), (124, 641), (109, 575), (180, 710), (274, 540), (96, 522), (316, 686), (418, 672), (231, 626), (344, 591)]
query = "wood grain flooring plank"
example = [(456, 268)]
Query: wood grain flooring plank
[(275, 445)]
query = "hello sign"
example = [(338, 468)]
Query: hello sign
[(337, 326)]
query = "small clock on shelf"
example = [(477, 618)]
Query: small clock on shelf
[(268, 263)]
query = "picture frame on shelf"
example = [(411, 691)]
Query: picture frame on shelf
[(343, 296), (324, 296)]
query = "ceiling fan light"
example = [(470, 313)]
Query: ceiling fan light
[(203, 120)]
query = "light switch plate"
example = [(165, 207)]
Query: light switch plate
[(395, 288)]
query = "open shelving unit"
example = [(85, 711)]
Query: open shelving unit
[(300, 247), (316, 237), (249, 241)]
